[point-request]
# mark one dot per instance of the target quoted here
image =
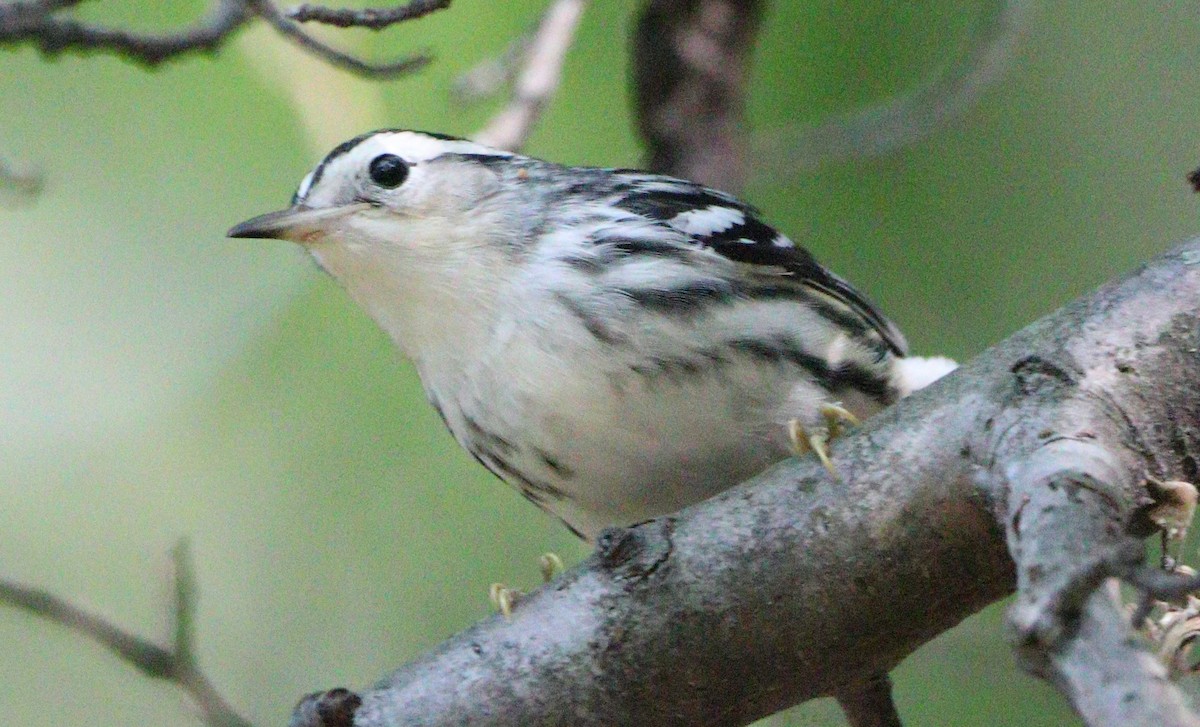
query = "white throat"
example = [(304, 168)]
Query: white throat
[(438, 307)]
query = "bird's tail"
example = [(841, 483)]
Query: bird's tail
[(916, 372)]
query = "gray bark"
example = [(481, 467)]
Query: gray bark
[(1026, 468)]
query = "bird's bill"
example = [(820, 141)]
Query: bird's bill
[(298, 224)]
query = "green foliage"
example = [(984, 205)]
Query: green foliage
[(160, 380)]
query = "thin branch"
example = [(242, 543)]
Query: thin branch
[(907, 118), (373, 18), (40, 24), (46, 6), (177, 664), (292, 31), (1026, 465), (36, 23), (151, 659), (541, 71)]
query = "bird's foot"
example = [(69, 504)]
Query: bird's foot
[(504, 599), (804, 441), (551, 566)]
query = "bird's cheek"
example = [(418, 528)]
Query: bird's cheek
[(369, 228)]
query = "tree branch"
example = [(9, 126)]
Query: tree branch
[(1068, 502), (40, 23), (373, 18), (37, 23), (293, 32), (691, 64), (177, 664), (793, 586)]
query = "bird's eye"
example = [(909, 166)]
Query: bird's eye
[(388, 170)]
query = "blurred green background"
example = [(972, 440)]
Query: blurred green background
[(159, 380)]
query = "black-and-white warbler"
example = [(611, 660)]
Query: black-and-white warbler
[(614, 344)]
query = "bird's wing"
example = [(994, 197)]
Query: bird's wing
[(721, 223)]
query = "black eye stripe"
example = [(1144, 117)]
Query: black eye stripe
[(388, 170)]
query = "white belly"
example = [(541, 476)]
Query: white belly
[(607, 438)]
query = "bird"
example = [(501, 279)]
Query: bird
[(613, 343)]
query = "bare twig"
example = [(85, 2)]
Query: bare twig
[(538, 79), (38, 24), (46, 5), (691, 62), (909, 117), (177, 664), (149, 658), (292, 30), (373, 18), (1026, 465), (41, 24)]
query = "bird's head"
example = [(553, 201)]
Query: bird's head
[(412, 224), (389, 188)]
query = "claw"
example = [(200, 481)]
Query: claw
[(835, 415), (503, 598), (803, 441), (551, 565), (817, 442)]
